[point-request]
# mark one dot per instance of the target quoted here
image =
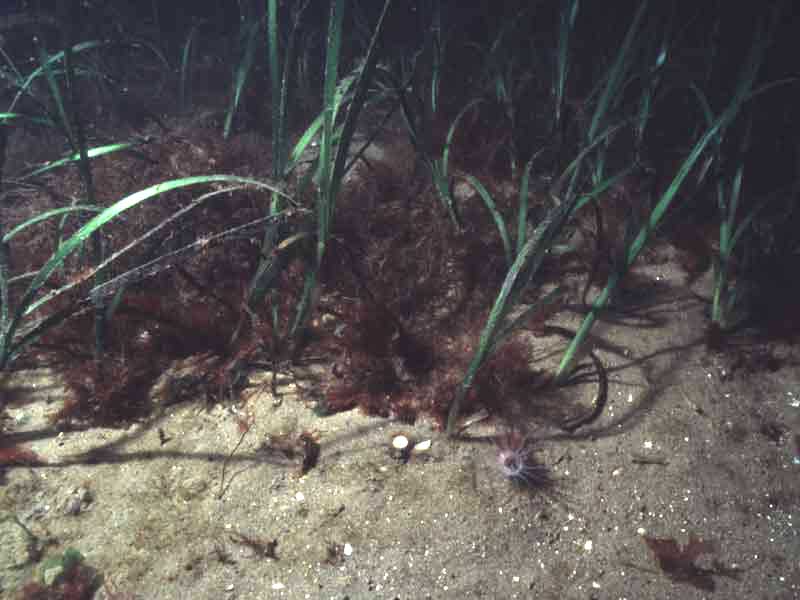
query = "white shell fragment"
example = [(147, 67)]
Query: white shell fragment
[(421, 447)]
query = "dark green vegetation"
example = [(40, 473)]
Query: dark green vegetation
[(269, 235)]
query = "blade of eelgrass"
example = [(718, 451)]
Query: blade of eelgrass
[(75, 157), (724, 302), (520, 274), (268, 269), (727, 208), (611, 88), (32, 333), (5, 251), (9, 117), (282, 165), (510, 326), (496, 216), (569, 12), (451, 132), (278, 116), (617, 73), (63, 120), (334, 148), (359, 99), (410, 119), (311, 132), (56, 212), (71, 124), (327, 187), (25, 86), (5, 281), (522, 211), (325, 196), (437, 51), (249, 37), (279, 81), (441, 183), (303, 69), (651, 81), (187, 52), (440, 167), (11, 72)]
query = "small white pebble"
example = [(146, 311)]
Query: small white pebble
[(400, 442), (278, 586), (348, 550), (299, 496)]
